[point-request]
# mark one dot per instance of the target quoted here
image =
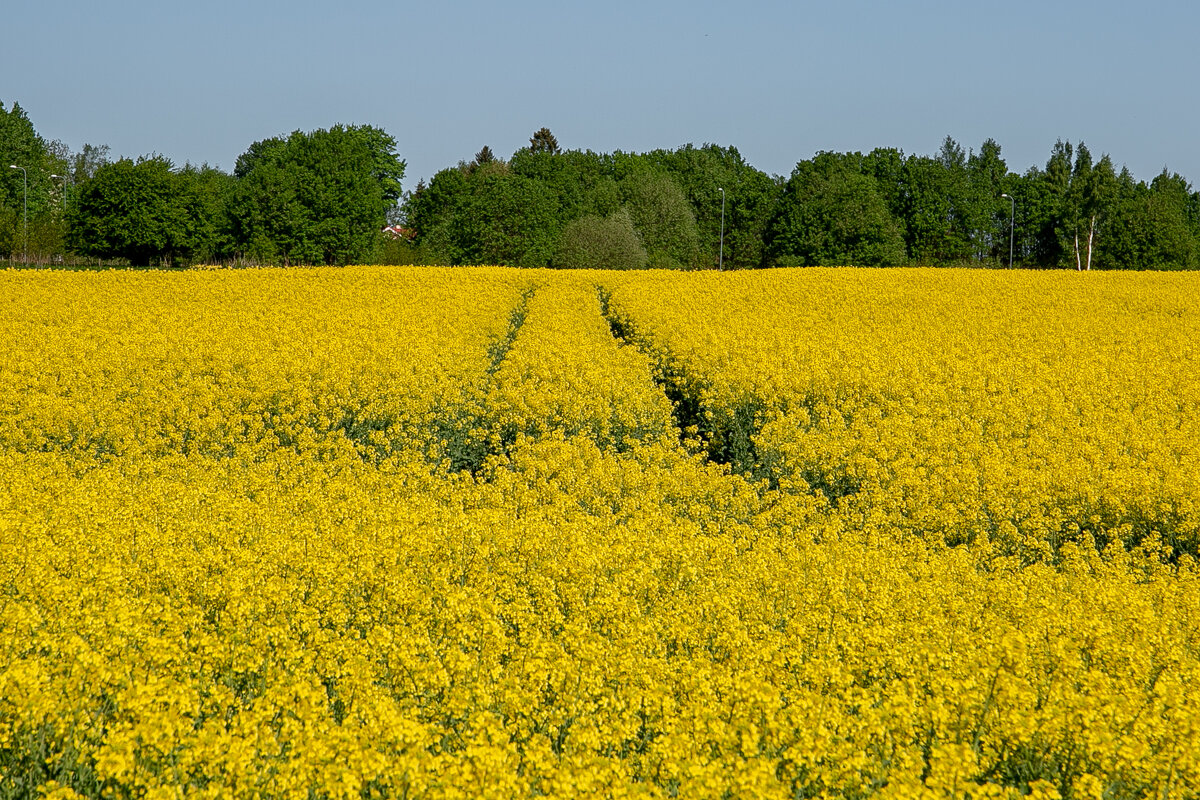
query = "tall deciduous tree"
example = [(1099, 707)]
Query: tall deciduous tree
[(662, 217), (316, 198), (1089, 199), (85, 163), (831, 214), (942, 213), (207, 193), (750, 195), (594, 242), (987, 177), (143, 211), (432, 210), (581, 181), (486, 214), (508, 220), (25, 194), (887, 166), (1151, 226), (1076, 195)]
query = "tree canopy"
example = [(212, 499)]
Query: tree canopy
[(27, 193), (316, 198), (323, 197), (146, 211), (594, 242), (830, 213), (307, 198)]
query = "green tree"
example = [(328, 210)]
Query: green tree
[(581, 182), (887, 166), (85, 163), (960, 220), (433, 211), (594, 242), (662, 217), (941, 212), (485, 214), (602, 197), (927, 212), (830, 214), (143, 211), (987, 179), (543, 141), (428, 213), (25, 194), (750, 194), (508, 220), (1040, 202), (1150, 227), (1089, 198), (207, 193), (316, 198)]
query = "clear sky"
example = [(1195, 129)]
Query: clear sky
[(781, 81)]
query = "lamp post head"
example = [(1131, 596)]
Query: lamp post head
[(1005, 195)]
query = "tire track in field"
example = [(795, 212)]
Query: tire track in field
[(725, 436), (561, 373), (498, 351)]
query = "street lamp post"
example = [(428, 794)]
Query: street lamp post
[(721, 255), (25, 196), (1012, 218)]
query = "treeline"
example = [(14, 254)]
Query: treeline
[(700, 207), (956, 207), (548, 208), (307, 198), (324, 197)]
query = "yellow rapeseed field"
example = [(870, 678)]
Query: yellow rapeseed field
[(454, 533)]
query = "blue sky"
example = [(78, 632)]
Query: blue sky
[(200, 82)]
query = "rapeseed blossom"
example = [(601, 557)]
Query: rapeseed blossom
[(420, 532)]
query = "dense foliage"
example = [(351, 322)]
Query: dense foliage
[(315, 198), (671, 199), (30, 200), (146, 210), (829, 214), (323, 197), (319, 197), (447, 533), (884, 208)]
